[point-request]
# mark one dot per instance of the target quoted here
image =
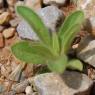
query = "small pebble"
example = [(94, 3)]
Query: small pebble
[(4, 18), (58, 2), (11, 2), (34, 4), (1, 40), (1, 28), (1, 3), (7, 33), (20, 87), (28, 90), (14, 22)]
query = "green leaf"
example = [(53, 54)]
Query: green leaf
[(42, 50), (35, 22), (55, 43), (72, 21), (66, 43), (24, 52), (75, 64), (58, 65)]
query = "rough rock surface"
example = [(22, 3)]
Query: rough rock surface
[(70, 83), (88, 6), (25, 31), (34, 4), (50, 15), (58, 2), (86, 50)]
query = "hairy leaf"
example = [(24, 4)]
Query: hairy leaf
[(66, 43), (58, 65), (75, 64), (55, 43), (36, 23), (73, 19), (67, 31), (42, 50), (24, 52)]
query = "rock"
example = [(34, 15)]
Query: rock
[(14, 22), (1, 28), (34, 4), (7, 33), (86, 50), (89, 25), (88, 6), (58, 2), (16, 73), (25, 31), (2, 88), (5, 70), (4, 18), (9, 93), (28, 90), (1, 3), (11, 2), (51, 16), (70, 83), (20, 87), (21, 94), (1, 41)]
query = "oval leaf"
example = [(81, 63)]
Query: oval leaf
[(73, 19), (35, 22), (58, 65), (24, 52), (75, 65), (55, 43)]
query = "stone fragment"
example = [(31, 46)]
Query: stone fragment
[(1, 29), (25, 31), (70, 83), (4, 18), (11, 2), (5, 70), (1, 41), (8, 93), (28, 90), (52, 18), (88, 6), (34, 4), (1, 3), (7, 33), (58, 2), (20, 87), (14, 22), (86, 50), (89, 25)]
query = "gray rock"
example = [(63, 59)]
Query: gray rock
[(15, 22), (58, 2), (1, 3), (34, 4), (9, 93), (25, 31), (2, 88), (20, 87), (87, 6), (70, 83), (86, 50), (89, 25), (51, 16)]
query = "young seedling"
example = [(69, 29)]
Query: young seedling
[(51, 49)]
